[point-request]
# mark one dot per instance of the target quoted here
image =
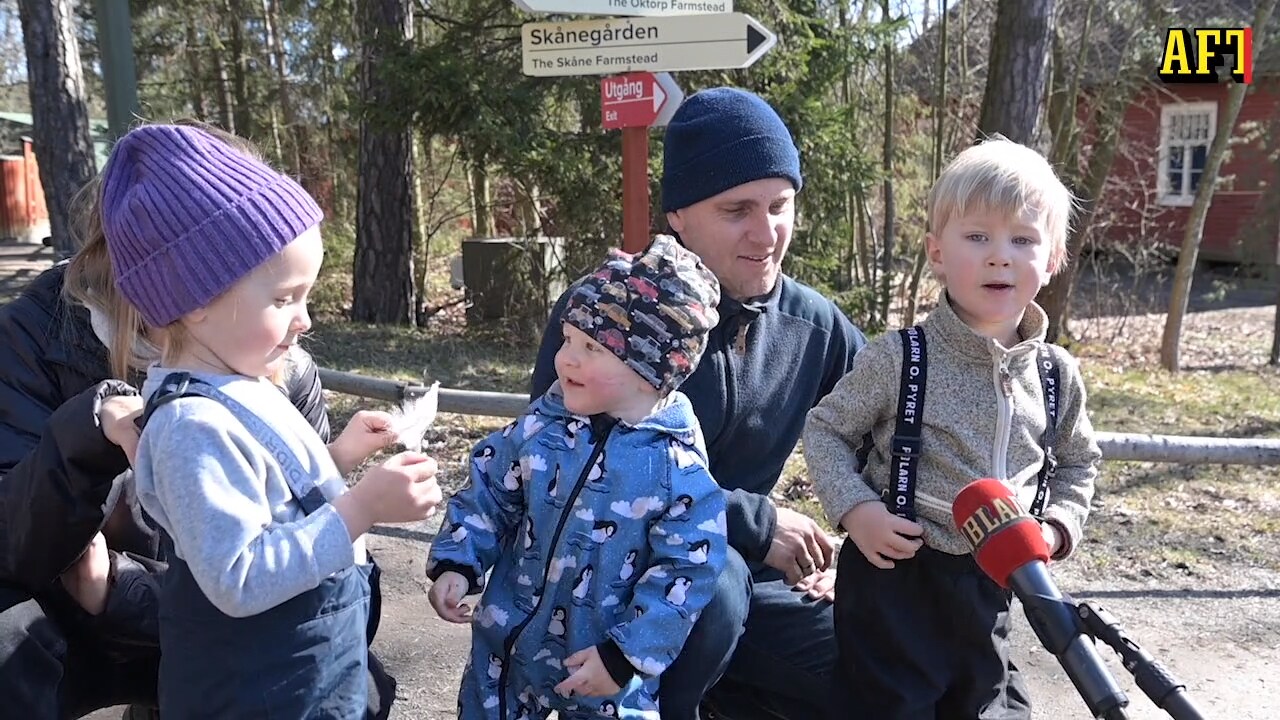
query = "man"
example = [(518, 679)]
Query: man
[(731, 173)]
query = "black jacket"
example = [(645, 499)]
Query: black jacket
[(61, 480)]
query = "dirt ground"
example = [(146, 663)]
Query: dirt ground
[(1217, 629), (19, 264), (1222, 641)]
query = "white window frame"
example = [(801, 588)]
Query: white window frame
[(1183, 196)]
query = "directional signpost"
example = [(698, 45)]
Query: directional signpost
[(605, 47), (634, 103), (662, 35), (638, 100), (626, 7)]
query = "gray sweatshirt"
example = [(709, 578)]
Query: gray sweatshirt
[(983, 417), (225, 502)]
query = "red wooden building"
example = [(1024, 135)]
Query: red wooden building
[(1166, 136), (1166, 131), (24, 216)]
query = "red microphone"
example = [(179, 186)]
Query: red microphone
[(1009, 548), (1003, 536)]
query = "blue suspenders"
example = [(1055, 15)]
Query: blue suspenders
[(907, 441)]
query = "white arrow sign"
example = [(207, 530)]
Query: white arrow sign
[(626, 7), (674, 96), (605, 47)]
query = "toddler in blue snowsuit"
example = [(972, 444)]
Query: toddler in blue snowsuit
[(594, 510)]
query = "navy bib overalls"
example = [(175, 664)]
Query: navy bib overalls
[(303, 659)]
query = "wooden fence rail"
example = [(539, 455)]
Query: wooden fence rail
[(1184, 449)]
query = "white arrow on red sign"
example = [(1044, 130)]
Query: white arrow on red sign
[(639, 99), (675, 96)]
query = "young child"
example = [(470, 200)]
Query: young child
[(595, 510), (922, 632), (265, 605)]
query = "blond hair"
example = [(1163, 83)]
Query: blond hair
[(1002, 176), (90, 277)]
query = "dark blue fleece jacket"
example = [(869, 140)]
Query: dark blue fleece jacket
[(767, 363)]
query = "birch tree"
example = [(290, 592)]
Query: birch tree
[(1171, 341)]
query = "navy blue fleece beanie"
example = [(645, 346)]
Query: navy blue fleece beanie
[(722, 138)]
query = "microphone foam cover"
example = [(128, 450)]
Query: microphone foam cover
[(1003, 536)]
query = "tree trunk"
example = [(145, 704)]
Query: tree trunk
[(335, 176), (935, 161), (191, 49), (423, 166), (849, 265), (1018, 70), (291, 150), (482, 211), (1275, 337), (63, 143), (1268, 234), (866, 239), (1063, 102), (1171, 341), (273, 119), (527, 210), (273, 132), (382, 289), (241, 110), (886, 270), (223, 90), (1055, 297)]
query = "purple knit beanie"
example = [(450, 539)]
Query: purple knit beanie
[(186, 216)]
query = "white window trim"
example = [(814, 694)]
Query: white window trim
[(1162, 177)]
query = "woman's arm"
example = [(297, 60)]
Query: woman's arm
[(56, 473)]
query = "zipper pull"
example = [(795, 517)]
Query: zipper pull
[(1006, 378), (740, 342)]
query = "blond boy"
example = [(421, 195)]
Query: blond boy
[(922, 632)]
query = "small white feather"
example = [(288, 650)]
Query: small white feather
[(410, 421)]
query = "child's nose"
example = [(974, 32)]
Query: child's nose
[(302, 322)]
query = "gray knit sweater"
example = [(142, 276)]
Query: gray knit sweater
[(983, 417), (224, 499)]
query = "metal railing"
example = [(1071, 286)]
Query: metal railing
[(1185, 449)]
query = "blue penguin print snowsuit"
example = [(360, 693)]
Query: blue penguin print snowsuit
[(595, 532)]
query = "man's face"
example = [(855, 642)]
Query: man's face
[(741, 234)]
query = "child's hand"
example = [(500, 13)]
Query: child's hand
[(116, 416), (882, 536), (1052, 537), (821, 585), (446, 595), (587, 675), (368, 432), (401, 489)]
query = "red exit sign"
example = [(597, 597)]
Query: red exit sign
[(639, 99)]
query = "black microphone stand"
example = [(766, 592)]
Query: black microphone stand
[(1151, 677), (1053, 617)]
